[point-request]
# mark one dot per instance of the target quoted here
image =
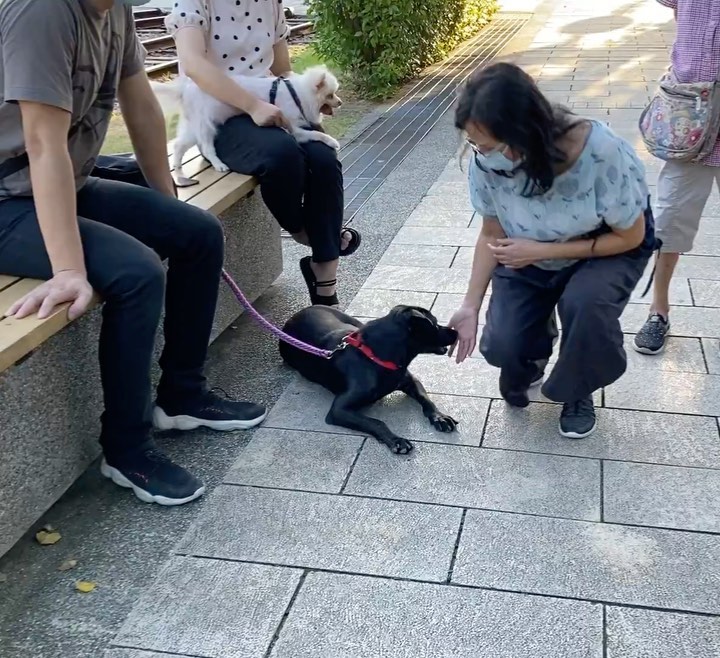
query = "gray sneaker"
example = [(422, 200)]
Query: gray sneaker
[(652, 336)]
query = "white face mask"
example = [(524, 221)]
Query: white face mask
[(495, 160)]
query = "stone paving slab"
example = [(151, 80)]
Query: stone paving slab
[(705, 292), (490, 479), (597, 561), (371, 303), (433, 212), (662, 496), (711, 351), (633, 633), (337, 616), (317, 531), (211, 608), (474, 378), (633, 436), (438, 236), (419, 279), (673, 392), (418, 256), (305, 405), (291, 459)]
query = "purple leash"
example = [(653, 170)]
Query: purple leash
[(269, 326)]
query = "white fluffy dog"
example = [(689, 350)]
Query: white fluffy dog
[(303, 102)]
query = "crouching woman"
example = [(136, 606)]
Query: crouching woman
[(566, 226)]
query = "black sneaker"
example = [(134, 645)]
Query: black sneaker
[(209, 410), (652, 336), (577, 419), (518, 397), (154, 478)]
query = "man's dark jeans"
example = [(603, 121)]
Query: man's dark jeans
[(127, 230)]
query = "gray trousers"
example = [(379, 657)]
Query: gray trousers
[(589, 296)]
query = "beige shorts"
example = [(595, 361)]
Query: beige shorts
[(682, 192)]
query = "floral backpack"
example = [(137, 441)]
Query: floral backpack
[(682, 121)]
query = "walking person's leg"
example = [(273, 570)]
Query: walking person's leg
[(520, 329), (683, 190)]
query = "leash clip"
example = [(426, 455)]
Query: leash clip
[(343, 344)]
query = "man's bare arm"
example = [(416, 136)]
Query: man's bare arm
[(146, 126), (53, 182), (45, 131)]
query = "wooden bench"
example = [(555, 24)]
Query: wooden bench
[(50, 395)]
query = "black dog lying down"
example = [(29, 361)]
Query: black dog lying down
[(373, 363)]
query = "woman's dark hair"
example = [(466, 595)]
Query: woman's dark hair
[(505, 100)]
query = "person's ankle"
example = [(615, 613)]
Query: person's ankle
[(661, 310)]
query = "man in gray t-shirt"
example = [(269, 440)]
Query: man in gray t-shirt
[(63, 63)]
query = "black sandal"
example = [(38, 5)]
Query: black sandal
[(313, 284), (355, 240)]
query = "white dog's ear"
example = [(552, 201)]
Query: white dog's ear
[(322, 77)]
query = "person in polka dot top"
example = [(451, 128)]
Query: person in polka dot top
[(301, 184)]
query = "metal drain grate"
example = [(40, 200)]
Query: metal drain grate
[(382, 146)]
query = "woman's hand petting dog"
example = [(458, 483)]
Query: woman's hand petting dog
[(266, 114), (516, 253), (465, 322)]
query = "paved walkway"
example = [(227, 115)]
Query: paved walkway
[(504, 540)]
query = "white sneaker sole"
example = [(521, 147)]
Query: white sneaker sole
[(645, 350), (576, 435), (163, 422), (118, 478)]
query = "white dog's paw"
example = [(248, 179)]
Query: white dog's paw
[(221, 167), (332, 142)]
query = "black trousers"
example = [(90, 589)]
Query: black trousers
[(126, 231), (589, 296), (301, 184)]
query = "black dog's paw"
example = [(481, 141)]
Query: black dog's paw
[(401, 446), (443, 423)]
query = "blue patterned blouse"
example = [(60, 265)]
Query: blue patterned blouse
[(605, 185)]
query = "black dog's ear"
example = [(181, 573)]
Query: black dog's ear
[(421, 325)]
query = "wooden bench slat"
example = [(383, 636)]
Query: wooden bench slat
[(215, 192), (20, 337), (6, 282), (224, 193)]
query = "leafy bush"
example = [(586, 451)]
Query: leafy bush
[(382, 43)]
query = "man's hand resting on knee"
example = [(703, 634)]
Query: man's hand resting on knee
[(66, 286)]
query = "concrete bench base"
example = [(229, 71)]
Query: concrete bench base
[(50, 402)]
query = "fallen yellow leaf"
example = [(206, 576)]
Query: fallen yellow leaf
[(85, 586), (3, 578), (67, 565), (47, 537)]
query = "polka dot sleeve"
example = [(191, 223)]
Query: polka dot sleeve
[(188, 13), (282, 30)]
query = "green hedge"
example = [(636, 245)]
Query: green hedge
[(382, 43)]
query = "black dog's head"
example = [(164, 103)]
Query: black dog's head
[(425, 335)]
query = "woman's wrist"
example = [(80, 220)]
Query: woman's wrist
[(472, 301)]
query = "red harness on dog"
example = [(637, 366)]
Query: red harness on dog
[(354, 340)]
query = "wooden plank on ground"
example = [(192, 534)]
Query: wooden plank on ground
[(20, 337)]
